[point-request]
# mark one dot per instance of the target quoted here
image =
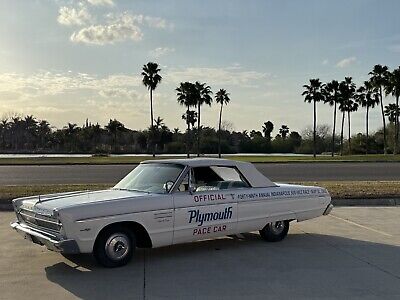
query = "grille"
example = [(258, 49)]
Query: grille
[(39, 221)]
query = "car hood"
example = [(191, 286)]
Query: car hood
[(45, 204)]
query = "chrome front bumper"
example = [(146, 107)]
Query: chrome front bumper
[(52, 242)]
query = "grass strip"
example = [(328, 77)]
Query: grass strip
[(103, 160)]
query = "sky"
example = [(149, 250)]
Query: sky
[(68, 60)]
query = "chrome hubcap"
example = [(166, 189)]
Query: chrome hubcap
[(277, 227), (117, 246)]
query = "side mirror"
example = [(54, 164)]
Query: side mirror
[(191, 190), (168, 186)]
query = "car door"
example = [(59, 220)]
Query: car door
[(203, 214)]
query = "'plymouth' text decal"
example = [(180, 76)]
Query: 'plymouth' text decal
[(199, 217)]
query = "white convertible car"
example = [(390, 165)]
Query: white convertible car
[(165, 202)]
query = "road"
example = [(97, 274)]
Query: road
[(283, 172), (353, 253)]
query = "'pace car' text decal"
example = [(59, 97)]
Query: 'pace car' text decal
[(196, 216)]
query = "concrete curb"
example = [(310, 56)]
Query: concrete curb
[(367, 202), (335, 202)]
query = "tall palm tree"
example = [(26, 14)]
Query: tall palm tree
[(379, 77), (393, 88), (222, 98), (204, 97), (352, 106), (331, 92), (151, 79), (313, 93), (367, 96), (346, 93), (267, 129), (187, 96)]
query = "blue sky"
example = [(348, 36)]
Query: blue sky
[(71, 60)]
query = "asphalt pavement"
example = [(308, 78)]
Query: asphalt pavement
[(281, 172), (351, 254)]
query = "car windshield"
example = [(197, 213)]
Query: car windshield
[(150, 178)]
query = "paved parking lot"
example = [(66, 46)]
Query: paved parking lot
[(353, 253)]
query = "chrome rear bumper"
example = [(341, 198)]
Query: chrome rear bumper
[(52, 242)]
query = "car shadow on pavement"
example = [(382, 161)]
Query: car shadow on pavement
[(242, 266)]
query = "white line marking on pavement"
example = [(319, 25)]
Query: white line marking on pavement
[(361, 226)]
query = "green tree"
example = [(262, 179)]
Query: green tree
[(314, 93), (393, 88), (367, 96), (331, 92), (187, 96), (267, 129), (284, 131), (113, 127), (151, 79), (379, 77), (204, 97), (222, 98)]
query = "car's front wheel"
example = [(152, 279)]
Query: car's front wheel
[(114, 247), (275, 232)]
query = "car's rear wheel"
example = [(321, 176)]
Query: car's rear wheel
[(275, 232), (114, 247)]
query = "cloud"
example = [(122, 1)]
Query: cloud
[(139, 19), (161, 51), (346, 62), (325, 62), (71, 16), (46, 83), (120, 93), (228, 76), (101, 2), (156, 22), (118, 28)]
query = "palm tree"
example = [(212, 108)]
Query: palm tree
[(71, 130), (379, 78), (187, 96), (367, 96), (44, 131), (222, 98), (283, 131), (331, 92), (204, 97), (313, 93), (347, 90), (4, 128), (159, 123), (267, 129), (352, 106), (391, 112), (113, 127), (393, 87), (151, 79)]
